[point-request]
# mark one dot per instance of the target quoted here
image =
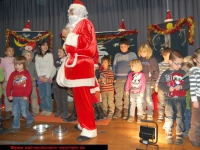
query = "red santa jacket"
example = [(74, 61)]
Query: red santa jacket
[(81, 47)]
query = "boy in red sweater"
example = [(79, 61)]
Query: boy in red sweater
[(18, 90)]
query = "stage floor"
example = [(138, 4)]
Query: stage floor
[(118, 135)]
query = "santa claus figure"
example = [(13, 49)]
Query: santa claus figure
[(81, 47), (176, 79)]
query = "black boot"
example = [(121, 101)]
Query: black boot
[(71, 118), (99, 110), (2, 130)]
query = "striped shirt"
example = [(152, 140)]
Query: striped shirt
[(194, 79), (106, 80), (162, 67)]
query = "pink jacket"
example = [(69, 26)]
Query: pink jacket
[(135, 82), (7, 63)]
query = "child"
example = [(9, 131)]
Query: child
[(174, 87), (1, 80), (164, 65), (32, 70), (188, 59), (187, 117), (150, 69), (44, 67), (60, 93), (18, 90), (135, 86), (7, 64), (106, 87), (194, 78), (121, 70)]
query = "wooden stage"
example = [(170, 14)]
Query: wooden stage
[(118, 135)]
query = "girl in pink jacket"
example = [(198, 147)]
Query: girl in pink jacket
[(135, 87)]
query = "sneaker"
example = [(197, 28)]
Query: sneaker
[(179, 139), (34, 114), (58, 113), (195, 143), (139, 118), (64, 115), (109, 115), (169, 138), (28, 125), (125, 115), (14, 130), (43, 113), (149, 117), (185, 134), (144, 115), (117, 114), (160, 118), (48, 113), (130, 119)]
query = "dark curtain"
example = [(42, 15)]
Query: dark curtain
[(105, 14)]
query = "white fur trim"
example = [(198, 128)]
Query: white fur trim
[(26, 29), (89, 133), (121, 30), (71, 39), (79, 126), (168, 20), (74, 62), (96, 66), (72, 6), (78, 82), (93, 90)]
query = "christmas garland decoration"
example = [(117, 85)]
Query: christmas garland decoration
[(179, 24), (119, 35), (27, 40)]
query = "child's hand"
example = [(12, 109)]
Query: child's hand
[(50, 80), (195, 104), (41, 78), (3, 86), (45, 79), (34, 78), (127, 93), (10, 98), (156, 88), (114, 81), (25, 98), (178, 87), (171, 88)]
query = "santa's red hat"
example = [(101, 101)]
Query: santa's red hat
[(30, 46), (77, 4), (122, 26), (27, 27), (169, 17)]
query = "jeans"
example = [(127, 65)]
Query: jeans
[(136, 101), (20, 107), (8, 103), (45, 96), (147, 100), (174, 110), (161, 102), (187, 119)]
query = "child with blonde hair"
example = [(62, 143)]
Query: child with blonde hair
[(7, 63), (151, 71), (135, 87)]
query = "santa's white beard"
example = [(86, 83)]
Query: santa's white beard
[(73, 20)]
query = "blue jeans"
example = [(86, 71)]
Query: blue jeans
[(147, 100), (20, 107), (174, 109), (187, 119), (45, 96)]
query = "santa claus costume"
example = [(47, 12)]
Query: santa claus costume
[(81, 46)]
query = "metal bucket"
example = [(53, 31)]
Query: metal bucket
[(41, 128)]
